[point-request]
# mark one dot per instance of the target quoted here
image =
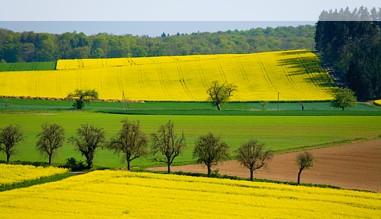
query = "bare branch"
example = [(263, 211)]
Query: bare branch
[(166, 143), (253, 156)]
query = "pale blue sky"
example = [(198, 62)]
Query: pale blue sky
[(162, 10), (172, 10)]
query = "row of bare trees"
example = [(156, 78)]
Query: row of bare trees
[(252, 154), (132, 143)]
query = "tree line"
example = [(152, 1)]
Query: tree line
[(40, 47), (350, 41), (132, 143)]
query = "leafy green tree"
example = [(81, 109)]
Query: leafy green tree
[(83, 96), (210, 150), (88, 139), (344, 98), (46, 47), (131, 141), (305, 160), (220, 93), (9, 137), (166, 143), (50, 139), (253, 156)]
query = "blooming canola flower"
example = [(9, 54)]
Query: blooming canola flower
[(290, 75), (118, 194)]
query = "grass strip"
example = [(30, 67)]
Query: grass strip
[(42, 180)]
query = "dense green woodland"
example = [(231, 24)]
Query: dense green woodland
[(353, 48), (39, 47)]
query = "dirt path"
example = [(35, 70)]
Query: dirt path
[(352, 166)]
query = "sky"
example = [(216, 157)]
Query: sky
[(139, 17)]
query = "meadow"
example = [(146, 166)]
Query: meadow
[(27, 66), (290, 75), (280, 133), (313, 108), (119, 194)]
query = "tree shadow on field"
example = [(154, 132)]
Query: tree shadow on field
[(293, 52), (299, 65)]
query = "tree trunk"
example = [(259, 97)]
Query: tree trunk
[(8, 156), (209, 170), (252, 175), (169, 168), (218, 106), (299, 173), (50, 160), (79, 104), (89, 163), (128, 165)]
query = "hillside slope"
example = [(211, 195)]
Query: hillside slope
[(123, 194), (295, 75)]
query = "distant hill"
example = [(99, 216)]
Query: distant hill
[(45, 47), (295, 75)]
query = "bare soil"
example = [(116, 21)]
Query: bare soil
[(351, 166)]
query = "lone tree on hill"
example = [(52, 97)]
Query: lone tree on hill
[(9, 137), (167, 144), (220, 93), (305, 160), (253, 156), (210, 150), (88, 139), (130, 141), (344, 97), (82, 96), (50, 139)]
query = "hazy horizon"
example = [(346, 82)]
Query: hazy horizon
[(149, 28), (153, 17)]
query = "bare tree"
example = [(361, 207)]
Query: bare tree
[(305, 160), (82, 96), (9, 137), (210, 150), (88, 139), (50, 139), (253, 156), (166, 143), (130, 141), (220, 93)]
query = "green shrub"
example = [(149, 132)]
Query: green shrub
[(75, 165)]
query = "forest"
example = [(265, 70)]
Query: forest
[(41, 47), (350, 41)]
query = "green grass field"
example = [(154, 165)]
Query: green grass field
[(280, 133), (28, 66), (190, 108)]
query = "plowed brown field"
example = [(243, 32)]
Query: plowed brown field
[(351, 166)]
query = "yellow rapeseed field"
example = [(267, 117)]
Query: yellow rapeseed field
[(377, 102), (294, 75), (121, 194), (17, 173)]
